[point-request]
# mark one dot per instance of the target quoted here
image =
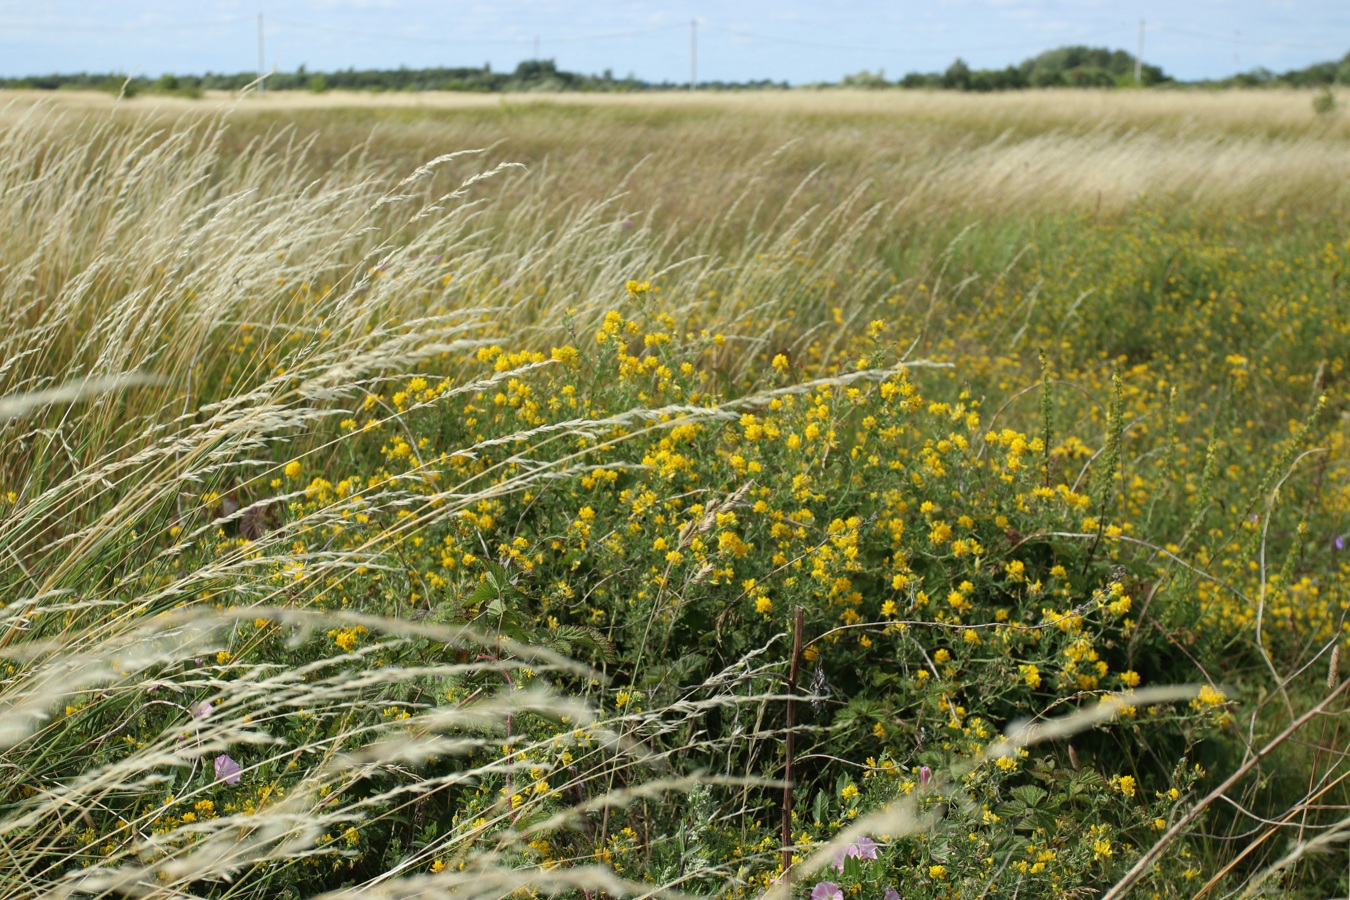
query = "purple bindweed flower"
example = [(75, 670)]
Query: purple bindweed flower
[(1339, 542), (227, 769), (925, 775), (827, 890), (891, 894), (202, 710), (864, 848)]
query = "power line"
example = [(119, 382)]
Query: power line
[(514, 41), (618, 35), (1228, 38), (401, 38), (928, 50), (1303, 45), (126, 26), (1209, 36)]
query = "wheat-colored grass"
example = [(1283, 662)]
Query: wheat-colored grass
[(1274, 111), (676, 153)]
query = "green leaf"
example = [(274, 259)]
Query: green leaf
[(861, 710), (496, 575), (820, 808), (1029, 795), (484, 592)]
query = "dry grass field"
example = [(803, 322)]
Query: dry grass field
[(795, 493), (1057, 147)]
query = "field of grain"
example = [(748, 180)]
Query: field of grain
[(439, 496)]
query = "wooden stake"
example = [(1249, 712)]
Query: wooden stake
[(791, 721)]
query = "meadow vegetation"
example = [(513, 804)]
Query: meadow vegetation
[(487, 498)]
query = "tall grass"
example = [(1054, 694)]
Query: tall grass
[(258, 298), (313, 582)]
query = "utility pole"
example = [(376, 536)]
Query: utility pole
[(1139, 57), (693, 55), (1237, 50), (536, 48), (260, 54)]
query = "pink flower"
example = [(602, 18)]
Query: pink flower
[(864, 848), (891, 894), (202, 710), (925, 774), (228, 770), (827, 890)]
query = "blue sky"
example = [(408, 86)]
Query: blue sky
[(793, 40)]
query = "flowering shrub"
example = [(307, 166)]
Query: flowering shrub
[(955, 576)]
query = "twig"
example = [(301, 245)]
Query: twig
[(1141, 866)]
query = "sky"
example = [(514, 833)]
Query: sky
[(798, 41)]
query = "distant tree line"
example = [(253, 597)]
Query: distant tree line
[(1061, 67), (1323, 74), (530, 75), (1076, 66)]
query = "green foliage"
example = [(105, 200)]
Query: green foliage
[(1062, 67), (1322, 74), (866, 79), (1087, 67)]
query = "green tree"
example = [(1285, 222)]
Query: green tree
[(866, 79), (957, 76)]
